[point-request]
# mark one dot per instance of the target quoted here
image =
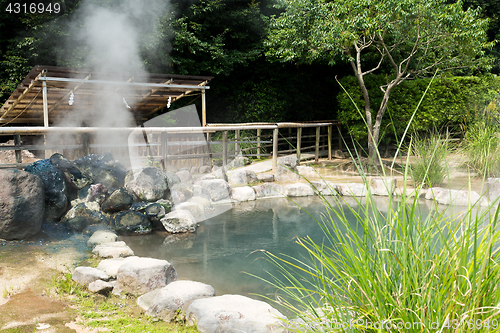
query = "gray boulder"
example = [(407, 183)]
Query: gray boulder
[(119, 200), (298, 190), (101, 237), (383, 186), (113, 250), (219, 189), (22, 205), (456, 197), (204, 202), (268, 190), (194, 208), (241, 177), (352, 189), (184, 176), (265, 177), (204, 169), (179, 221), (172, 179), (131, 222), (111, 266), (307, 171), (200, 191), (244, 193), (100, 287), (234, 313), (148, 184), (286, 169), (166, 302), (56, 190), (138, 276), (324, 188), (86, 275), (492, 190)]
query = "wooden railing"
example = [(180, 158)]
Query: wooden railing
[(178, 145)]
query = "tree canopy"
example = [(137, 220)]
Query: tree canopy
[(407, 37)]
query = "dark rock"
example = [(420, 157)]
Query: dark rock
[(90, 211), (78, 223), (102, 169), (118, 200), (131, 222), (75, 176), (56, 191), (97, 193), (22, 204)]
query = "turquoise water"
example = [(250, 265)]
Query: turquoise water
[(227, 246)]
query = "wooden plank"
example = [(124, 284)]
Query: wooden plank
[(299, 142), (67, 95)]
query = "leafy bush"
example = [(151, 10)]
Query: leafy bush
[(449, 101), (429, 166)]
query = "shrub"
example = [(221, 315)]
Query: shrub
[(482, 148), (429, 166), (449, 101)]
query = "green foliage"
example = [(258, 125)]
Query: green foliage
[(482, 148), (450, 101), (213, 36), (429, 166)]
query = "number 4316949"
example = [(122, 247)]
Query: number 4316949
[(33, 8)]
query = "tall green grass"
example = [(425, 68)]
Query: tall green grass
[(397, 270), (482, 148), (429, 165)]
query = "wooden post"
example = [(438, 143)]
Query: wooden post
[(164, 150), (275, 148), (258, 142), (237, 138), (330, 142), (290, 146), (340, 137), (209, 147), (316, 151), (224, 148), (85, 144), (17, 142), (299, 142), (45, 114), (203, 109)]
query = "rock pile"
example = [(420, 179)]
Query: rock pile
[(163, 296)]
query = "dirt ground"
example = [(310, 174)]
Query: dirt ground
[(28, 268), (27, 272)]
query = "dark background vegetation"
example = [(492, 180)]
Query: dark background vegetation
[(225, 39)]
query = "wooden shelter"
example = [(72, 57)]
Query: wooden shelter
[(45, 95)]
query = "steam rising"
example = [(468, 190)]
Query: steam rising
[(111, 35)]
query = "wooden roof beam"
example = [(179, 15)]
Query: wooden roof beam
[(67, 94), (25, 92)]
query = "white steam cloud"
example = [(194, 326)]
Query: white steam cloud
[(111, 36)]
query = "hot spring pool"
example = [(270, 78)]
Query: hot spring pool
[(226, 247)]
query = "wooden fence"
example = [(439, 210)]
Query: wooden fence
[(177, 147)]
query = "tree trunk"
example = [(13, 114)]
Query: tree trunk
[(378, 121)]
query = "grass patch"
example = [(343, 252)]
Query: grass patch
[(482, 148), (429, 167), (116, 314)]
